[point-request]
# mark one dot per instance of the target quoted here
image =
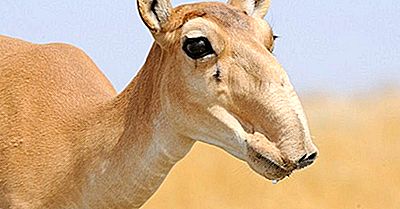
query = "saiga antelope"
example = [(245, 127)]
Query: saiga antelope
[(68, 140)]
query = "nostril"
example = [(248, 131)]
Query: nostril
[(302, 158), (312, 156), (306, 160)]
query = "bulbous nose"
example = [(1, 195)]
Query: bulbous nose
[(306, 160)]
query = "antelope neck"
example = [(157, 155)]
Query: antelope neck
[(139, 145)]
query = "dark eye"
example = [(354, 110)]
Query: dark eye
[(197, 48)]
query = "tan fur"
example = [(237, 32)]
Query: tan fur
[(67, 140)]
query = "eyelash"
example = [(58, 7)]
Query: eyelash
[(274, 37)]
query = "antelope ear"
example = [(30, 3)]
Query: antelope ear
[(154, 13), (254, 8)]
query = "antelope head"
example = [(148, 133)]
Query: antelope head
[(222, 85)]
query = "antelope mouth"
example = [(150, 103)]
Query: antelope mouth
[(266, 166), (263, 156)]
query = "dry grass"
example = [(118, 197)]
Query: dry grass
[(359, 165)]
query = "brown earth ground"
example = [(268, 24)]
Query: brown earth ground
[(358, 167)]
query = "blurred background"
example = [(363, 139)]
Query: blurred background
[(342, 56)]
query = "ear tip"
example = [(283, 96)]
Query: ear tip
[(153, 13), (254, 8)]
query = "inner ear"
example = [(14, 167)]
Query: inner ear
[(254, 8), (154, 13)]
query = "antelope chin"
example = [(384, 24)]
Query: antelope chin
[(265, 158), (265, 165), (261, 154)]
